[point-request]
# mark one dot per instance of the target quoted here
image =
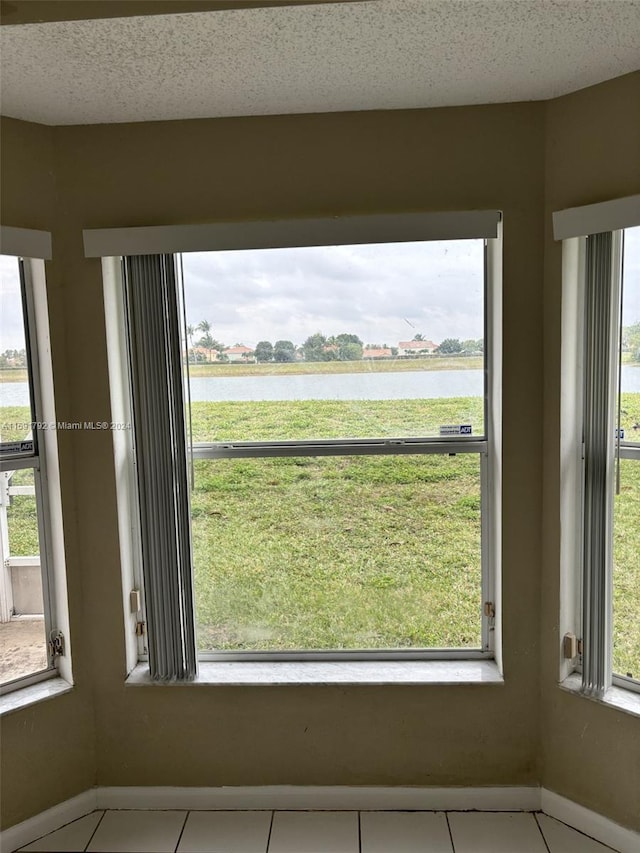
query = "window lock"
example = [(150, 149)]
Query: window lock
[(56, 644), (571, 646)]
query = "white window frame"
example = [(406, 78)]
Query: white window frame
[(32, 248), (111, 244), (573, 227)]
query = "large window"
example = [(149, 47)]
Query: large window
[(31, 643), (315, 449), (608, 436), (337, 408)]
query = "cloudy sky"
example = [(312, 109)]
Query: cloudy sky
[(11, 328), (382, 293), (631, 294)]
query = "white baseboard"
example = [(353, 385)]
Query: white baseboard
[(47, 821), (591, 823), (322, 798), (293, 797)]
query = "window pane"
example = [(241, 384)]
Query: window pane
[(338, 552), (367, 341), (626, 572), (22, 638), (626, 532), (630, 402), (15, 401)]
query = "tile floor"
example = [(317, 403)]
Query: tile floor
[(315, 832)]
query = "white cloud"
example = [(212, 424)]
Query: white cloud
[(382, 293), (11, 323), (631, 292)]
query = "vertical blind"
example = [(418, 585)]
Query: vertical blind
[(601, 338), (153, 319)]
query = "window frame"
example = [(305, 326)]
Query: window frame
[(574, 227), (488, 446), (43, 458), (625, 449)]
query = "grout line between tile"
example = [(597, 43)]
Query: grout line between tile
[(186, 818), (535, 817), (86, 847), (586, 835), (359, 834), (453, 849), (273, 814)]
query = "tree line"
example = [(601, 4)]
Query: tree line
[(319, 347), (631, 340), (13, 358)]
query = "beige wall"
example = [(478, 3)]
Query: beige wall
[(305, 166), (302, 166), (591, 753), (289, 166), (47, 751)]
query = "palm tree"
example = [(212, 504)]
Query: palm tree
[(190, 332), (207, 341), (210, 344)]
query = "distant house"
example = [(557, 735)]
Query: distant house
[(199, 354), (377, 352), (408, 348), (238, 353)]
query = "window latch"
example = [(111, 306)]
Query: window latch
[(56, 644), (571, 646)]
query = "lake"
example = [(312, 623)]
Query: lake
[(426, 384)]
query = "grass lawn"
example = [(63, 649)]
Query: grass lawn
[(351, 551), (626, 572), (306, 419), (13, 374), (337, 552), (393, 365)]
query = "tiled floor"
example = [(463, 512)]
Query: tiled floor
[(315, 832)]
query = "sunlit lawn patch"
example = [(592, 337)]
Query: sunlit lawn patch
[(338, 552)]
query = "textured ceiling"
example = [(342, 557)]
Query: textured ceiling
[(387, 54)]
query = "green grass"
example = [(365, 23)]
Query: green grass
[(350, 552), (365, 366), (626, 572), (337, 552), (13, 374), (626, 551), (22, 521), (305, 419)]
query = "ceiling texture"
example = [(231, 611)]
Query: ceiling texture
[(261, 58)]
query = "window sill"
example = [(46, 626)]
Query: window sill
[(615, 697), (296, 673), (23, 697)]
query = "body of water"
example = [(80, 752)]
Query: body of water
[(427, 384), (341, 386)]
